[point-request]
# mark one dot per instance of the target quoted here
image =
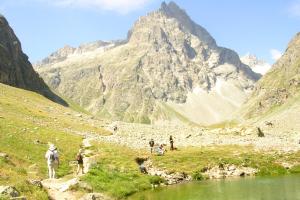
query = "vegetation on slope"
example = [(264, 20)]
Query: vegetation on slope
[(28, 122)]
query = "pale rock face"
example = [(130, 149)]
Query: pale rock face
[(257, 65), (150, 77)]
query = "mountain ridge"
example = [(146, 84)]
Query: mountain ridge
[(163, 66)]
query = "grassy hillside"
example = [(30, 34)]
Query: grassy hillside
[(28, 122), (280, 86)]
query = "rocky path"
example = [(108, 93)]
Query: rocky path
[(58, 189)]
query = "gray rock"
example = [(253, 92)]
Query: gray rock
[(4, 155), (94, 196), (9, 191), (34, 182)]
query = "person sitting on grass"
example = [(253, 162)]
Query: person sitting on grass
[(140, 162), (160, 150)]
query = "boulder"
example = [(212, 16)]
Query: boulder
[(34, 182), (4, 155), (94, 196), (9, 191)]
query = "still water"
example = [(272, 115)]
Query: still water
[(274, 188)]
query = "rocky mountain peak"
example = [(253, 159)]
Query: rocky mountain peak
[(168, 63), (257, 65), (168, 17)]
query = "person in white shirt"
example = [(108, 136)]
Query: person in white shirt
[(52, 160)]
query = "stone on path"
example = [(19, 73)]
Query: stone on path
[(8, 191)]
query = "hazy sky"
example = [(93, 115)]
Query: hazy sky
[(261, 27)]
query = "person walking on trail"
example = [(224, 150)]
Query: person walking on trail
[(52, 160), (171, 143), (151, 143), (79, 158)]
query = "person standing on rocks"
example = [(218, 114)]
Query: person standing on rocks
[(151, 144), (171, 143), (79, 158), (52, 160)]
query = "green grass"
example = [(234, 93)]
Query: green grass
[(28, 122), (117, 174), (193, 159)]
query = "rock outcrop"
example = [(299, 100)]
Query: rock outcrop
[(169, 68), (15, 69)]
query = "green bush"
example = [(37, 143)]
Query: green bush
[(295, 169), (156, 180), (198, 176), (271, 170)]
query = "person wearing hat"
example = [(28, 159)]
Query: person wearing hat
[(52, 160), (79, 158)]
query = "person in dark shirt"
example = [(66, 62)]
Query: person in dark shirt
[(151, 144), (171, 143)]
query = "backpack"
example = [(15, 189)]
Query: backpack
[(79, 157), (52, 157)]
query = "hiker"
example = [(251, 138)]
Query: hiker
[(79, 158), (151, 143), (115, 128), (160, 150), (140, 162), (52, 160), (171, 143)]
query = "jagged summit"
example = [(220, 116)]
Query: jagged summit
[(173, 16), (172, 10), (257, 65), (170, 68)]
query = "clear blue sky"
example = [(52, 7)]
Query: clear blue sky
[(254, 26)]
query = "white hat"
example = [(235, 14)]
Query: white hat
[(52, 147)]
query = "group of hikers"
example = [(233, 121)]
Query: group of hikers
[(52, 158), (159, 148)]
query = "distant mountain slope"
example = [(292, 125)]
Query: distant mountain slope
[(169, 68), (257, 65), (15, 69), (279, 87)]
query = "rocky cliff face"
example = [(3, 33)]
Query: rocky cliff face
[(170, 68), (280, 85), (15, 69)]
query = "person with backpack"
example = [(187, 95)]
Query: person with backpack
[(52, 160), (79, 158)]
